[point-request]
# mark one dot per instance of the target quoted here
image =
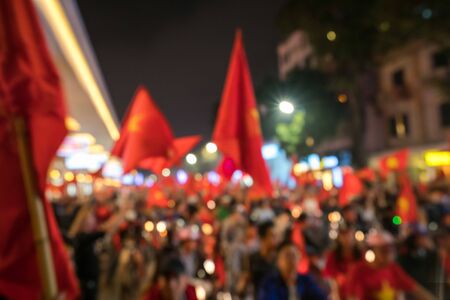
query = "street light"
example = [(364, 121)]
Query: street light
[(191, 159), (286, 107), (211, 148)]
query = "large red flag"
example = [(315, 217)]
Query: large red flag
[(145, 132), (29, 89), (237, 132), (397, 161), (406, 206), (179, 149)]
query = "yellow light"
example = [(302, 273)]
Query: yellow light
[(331, 36), (200, 292), (327, 180), (61, 27), (211, 147), (171, 203), (68, 176), (149, 226), (165, 172), (163, 234), (80, 177), (88, 178), (207, 229), (72, 124), (333, 234), (296, 211), (309, 141), (161, 226), (300, 168), (370, 256), (55, 174), (342, 98), (334, 217), (359, 236), (437, 158), (97, 148)]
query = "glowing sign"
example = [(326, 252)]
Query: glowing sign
[(437, 158)]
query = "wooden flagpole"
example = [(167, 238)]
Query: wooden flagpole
[(37, 214)]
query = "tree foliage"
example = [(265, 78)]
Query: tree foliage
[(351, 37), (317, 110)]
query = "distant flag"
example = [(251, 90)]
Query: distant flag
[(351, 187), (406, 206), (397, 162), (145, 133), (237, 131), (180, 147), (30, 90)]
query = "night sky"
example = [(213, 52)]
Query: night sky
[(180, 50)]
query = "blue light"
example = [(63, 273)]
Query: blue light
[(330, 161), (139, 179), (182, 176), (338, 178), (213, 178), (270, 151), (127, 179), (314, 161)]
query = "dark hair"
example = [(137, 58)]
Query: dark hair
[(285, 244), (264, 228), (171, 266)]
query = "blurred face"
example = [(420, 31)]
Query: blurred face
[(347, 239), (178, 286), (384, 254), (287, 261), (269, 239)]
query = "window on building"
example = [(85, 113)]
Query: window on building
[(440, 59), (445, 114), (399, 126), (398, 78)]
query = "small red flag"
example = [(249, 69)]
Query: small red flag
[(351, 187), (237, 131), (145, 132), (397, 161), (406, 206), (29, 89), (179, 149)]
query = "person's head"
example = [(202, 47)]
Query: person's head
[(346, 238), (287, 259), (172, 279), (383, 246), (350, 214), (267, 235)]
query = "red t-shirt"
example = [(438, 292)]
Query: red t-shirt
[(338, 269), (369, 283)]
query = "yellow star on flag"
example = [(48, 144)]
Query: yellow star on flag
[(253, 122), (133, 124), (386, 292), (392, 163), (403, 204)]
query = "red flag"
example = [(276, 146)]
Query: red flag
[(226, 168), (237, 131), (351, 187), (179, 149), (406, 206), (397, 161), (156, 197), (145, 132), (30, 89)]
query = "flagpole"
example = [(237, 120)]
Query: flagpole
[(37, 214)]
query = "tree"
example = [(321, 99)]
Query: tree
[(352, 35), (317, 114)]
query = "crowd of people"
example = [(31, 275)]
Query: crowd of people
[(300, 244)]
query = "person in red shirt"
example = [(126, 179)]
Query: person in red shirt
[(171, 282), (342, 258), (379, 277)]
